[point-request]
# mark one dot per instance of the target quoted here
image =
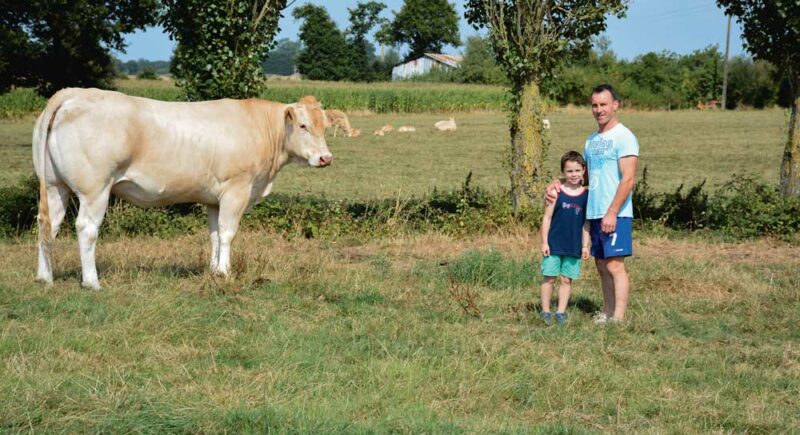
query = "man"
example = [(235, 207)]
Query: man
[(611, 153)]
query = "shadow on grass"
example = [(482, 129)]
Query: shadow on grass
[(180, 270), (580, 303), (584, 304)]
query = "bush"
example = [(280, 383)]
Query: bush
[(19, 206), (743, 207), (747, 207), (20, 101), (148, 73), (467, 210)]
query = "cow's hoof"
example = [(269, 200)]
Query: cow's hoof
[(91, 285), (47, 281)]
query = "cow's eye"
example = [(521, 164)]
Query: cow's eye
[(303, 126)]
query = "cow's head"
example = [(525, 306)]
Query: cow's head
[(305, 132)]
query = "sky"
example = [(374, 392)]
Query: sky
[(679, 26)]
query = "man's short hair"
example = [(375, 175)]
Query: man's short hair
[(606, 87)]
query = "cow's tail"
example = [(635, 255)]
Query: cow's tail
[(41, 134)]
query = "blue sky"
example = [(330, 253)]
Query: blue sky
[(679, 26)]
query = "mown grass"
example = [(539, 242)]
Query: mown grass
[(318, 336), (681, 147)]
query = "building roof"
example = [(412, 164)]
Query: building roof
[(447, 59), (451, 60)]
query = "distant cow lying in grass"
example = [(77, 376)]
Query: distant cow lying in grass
[(383, 130), (406, 129), (224, 154), (449, 125)]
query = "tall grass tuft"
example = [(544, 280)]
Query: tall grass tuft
[(491, 269)]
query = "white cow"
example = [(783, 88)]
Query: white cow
[(448, 125), (224, 154)]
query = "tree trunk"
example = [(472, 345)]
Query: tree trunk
[(529, 148), (790, 167)]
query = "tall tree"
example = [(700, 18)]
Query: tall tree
[(771, 30), (426, 26), (363, 18), (52, 44), (221, 44), (530, 38), (281, 59), (478, 65), (325, 54)]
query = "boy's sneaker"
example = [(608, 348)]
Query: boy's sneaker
[(561, 318), (546, 317), (600, 318)]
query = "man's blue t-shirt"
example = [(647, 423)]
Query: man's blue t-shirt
[(602, 153), (566, 225)]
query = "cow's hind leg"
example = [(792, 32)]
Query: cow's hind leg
[(90, 217), (231, 209), (213, 232), (57, 200)]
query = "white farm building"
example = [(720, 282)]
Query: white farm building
[(424, 64)]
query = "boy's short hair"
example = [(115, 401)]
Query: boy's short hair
[(606, 87), (572, 156)]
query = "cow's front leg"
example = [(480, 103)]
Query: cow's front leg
[(213, 232), (90, 217), (231, 209)]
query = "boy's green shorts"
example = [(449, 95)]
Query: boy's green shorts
[(555, 265)]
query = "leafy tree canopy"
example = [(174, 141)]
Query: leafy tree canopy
[(426, 26), (52, 44), (221, 44), (325, 52), (281, 59), (530, 38), (771, 31)]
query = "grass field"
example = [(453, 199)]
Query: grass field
[(414, 333), (343, 337), (677, 147)]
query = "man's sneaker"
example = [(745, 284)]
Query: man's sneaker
[(561, 318), (600, 318), (546, 317)]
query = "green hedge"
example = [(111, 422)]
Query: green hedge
[(743, 208), (466, 210)]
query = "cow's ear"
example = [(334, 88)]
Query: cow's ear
[(290, 115)]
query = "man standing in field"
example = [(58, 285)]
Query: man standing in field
[(611, 153)]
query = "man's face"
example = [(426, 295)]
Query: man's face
[(604, 107)]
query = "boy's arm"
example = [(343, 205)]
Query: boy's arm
[(545, 230), (627, 167), (586, 240)]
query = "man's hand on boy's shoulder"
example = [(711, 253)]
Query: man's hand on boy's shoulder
[(551, 191)]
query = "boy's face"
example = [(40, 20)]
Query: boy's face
[(573, 173)]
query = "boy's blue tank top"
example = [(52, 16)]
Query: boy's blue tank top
[(566, 226)]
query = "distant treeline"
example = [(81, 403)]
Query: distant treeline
[(137, 67), (653, 80)]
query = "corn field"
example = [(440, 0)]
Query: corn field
[(374, 97)]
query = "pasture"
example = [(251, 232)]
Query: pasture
[(680, 147), (414, 332)]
